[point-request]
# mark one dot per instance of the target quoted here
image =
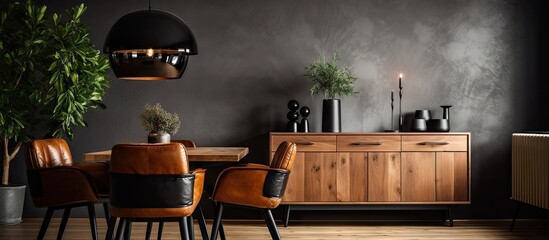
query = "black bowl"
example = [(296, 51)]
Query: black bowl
[(423, 114), (438, 125), (419, 125)]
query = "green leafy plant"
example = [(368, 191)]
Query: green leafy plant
[(50, 75), (330, 79), (156, 119)]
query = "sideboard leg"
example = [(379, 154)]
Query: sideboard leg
[(450, 218), (286, 215), (443, 216), (515, 217)]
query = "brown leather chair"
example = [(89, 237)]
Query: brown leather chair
[(201, 220), (152, 182), (200, 213), (255, 186), (186, 143), (56, 182)]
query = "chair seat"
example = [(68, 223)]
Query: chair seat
[(236, 186), (151, 212)]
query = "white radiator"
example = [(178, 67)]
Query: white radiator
[(531, 169)]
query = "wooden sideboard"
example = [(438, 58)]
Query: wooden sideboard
[(376, 168)]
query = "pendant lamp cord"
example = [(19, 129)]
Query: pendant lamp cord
[(149, 6)]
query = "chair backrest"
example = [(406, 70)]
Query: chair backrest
[(168, 158), (46, 153), (150, 176), (186, 143), (284, 156)]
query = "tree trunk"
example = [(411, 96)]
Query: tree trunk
[(7, 159)]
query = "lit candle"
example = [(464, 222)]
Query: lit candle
[(400, 81)]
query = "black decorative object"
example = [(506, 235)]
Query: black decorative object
[(293, 105), (419, 125), (304, 125), (423, 114), (331, 115), (438, 125), (446, 113), (392, 115), (292, 116), (149, 45)]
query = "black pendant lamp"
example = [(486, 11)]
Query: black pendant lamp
[(149, 45)]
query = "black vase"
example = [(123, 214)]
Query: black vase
[(331, 115)]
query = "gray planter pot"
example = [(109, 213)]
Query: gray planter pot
[(12, 199)]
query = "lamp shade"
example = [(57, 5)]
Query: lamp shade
[(149, 45)]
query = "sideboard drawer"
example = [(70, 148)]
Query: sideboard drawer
[(308, 143), (431, 143), (368, 143)]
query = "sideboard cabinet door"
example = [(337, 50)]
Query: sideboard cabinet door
[(384, 177), (418, 176)]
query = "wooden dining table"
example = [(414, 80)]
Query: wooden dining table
[(196, 154)]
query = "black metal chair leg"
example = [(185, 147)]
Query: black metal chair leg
[(202, 223), (221, 231), (160, 228), (184, 228), (190, 226), (110, 228), (515, 217), (93, 223), (128, 230), (267, 222), (450, 218), (45, 224), (217, 221), (287, 216), (107, 213), (121, 229), (149, 230), (66, 215), (271, 222)]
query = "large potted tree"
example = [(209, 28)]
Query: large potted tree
[(331, 80), (50, 75)]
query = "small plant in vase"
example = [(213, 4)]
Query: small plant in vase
[(159, 123), (333, 81)]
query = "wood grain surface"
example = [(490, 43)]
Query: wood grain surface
[(78, 229), (418, 176), (384, 177)]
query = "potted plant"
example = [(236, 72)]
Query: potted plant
[(333, 81), (50, 75), (159, 123)]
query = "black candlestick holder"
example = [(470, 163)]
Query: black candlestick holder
[(392, 114), (400, 120)]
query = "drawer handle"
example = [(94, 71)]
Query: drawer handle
[(433, 143), (304, 143), (366, 143)]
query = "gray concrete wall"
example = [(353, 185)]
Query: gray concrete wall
[(482, 57)]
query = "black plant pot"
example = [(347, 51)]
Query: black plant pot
[(158, 137), (331, 115)]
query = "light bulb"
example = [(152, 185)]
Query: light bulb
[(150, 52)]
